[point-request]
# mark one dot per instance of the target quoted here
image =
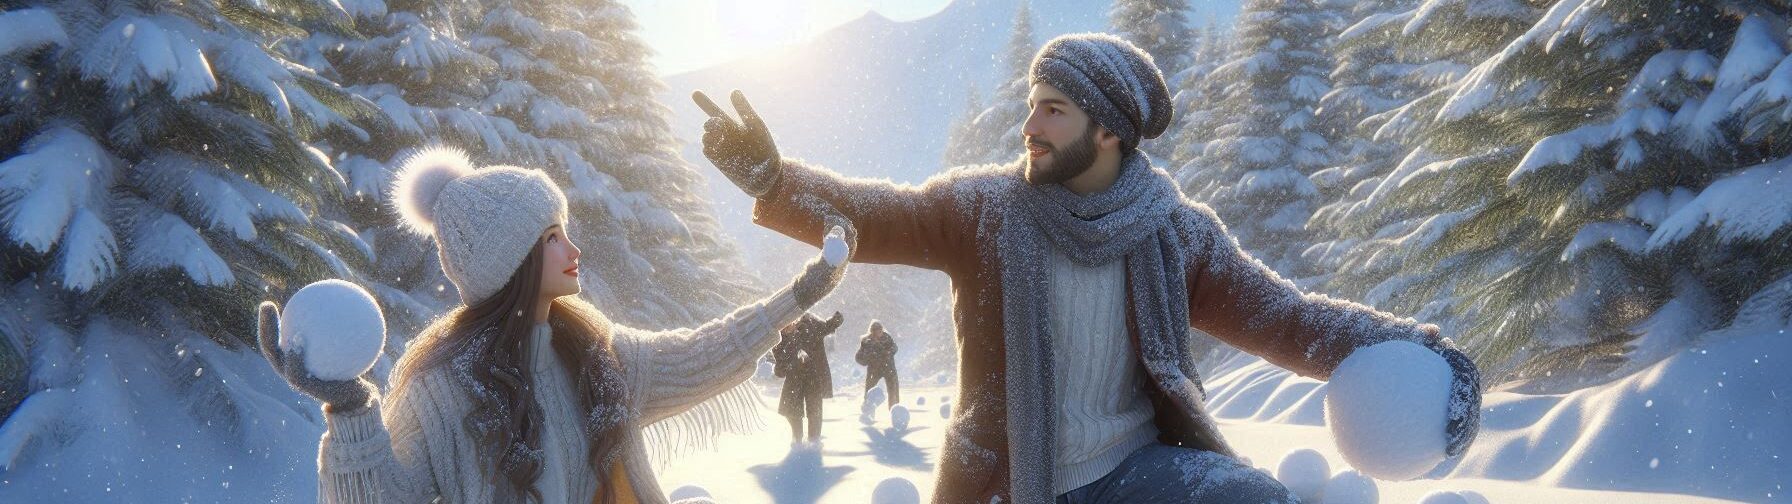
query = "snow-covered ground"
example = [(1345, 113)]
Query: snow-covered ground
[(1705, 425)]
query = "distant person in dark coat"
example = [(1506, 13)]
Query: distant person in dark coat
[(877, 352), (801, 358)]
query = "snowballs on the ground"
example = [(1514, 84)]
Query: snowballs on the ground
[(337, 326), (689, 492), (899, 417), (833, 248), (1386, 407), (1304, 472), (873, 398), (946, 410), (895, 491), (1351, 487), (920, 400)]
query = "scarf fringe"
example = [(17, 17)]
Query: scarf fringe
[(735, 411)]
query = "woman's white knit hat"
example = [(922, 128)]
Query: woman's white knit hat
[(485, 221)]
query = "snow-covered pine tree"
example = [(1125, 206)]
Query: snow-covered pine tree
[(158, 177), (960, 146), (1254, 171), (1160, 27), (1370, 77), (1601, 187), (994, 133), (575, 83), (1197, 100)]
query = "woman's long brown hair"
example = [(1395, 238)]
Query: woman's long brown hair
[(488, 344)]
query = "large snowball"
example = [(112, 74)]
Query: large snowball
[(896, 490), (337, 326), (688, 492), (1304, 472), (1351, 487), (1386, 407)]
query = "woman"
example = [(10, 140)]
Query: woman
[(525, 393)]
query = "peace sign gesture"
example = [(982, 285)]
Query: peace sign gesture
[(742, 149)]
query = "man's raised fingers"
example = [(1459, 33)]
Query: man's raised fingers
[(709, 106), (747, 116)]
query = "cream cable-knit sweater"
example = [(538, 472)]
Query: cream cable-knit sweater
[(1103, 412), (410, 446)]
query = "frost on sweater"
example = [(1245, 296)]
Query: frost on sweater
[(411, 446)]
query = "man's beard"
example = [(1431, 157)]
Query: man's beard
[(1067, 163)]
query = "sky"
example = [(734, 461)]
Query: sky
[(692, 34)]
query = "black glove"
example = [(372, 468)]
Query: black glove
[(338, 396), (1465, 397), (742, 149)]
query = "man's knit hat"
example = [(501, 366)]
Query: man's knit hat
[(484, 221), (1117, 84)]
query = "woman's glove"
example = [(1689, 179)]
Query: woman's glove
[(338, 396)]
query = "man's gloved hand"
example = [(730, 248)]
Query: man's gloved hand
[(742, 149), (338, 396), (1465, 397)]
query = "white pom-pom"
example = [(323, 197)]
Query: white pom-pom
[(1304, 472), (1386, 406), (688, 492), (421, 180), (833, 247), (896, 490), (1351, 487), (337, 326)]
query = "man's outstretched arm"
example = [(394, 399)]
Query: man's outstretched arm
[(896, 224), (1239, 300)]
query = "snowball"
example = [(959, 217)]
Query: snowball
[(946, 410), (1386, 406), (1304, 472), (921, 400), (899, 417), (337, 326), (688, 492), (833, 248), (1351, 487), (1444, 497), (873, 398), (895, 490)]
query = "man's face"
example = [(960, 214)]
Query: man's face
[(1059, 136)]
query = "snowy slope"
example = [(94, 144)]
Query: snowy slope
[(1708, 421), (854, 458)]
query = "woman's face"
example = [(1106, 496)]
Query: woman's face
[(559, 264)]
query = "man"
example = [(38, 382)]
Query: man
[(1077, 272), (801, 358), (877, 352)]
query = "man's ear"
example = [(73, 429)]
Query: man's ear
[(1106, 139)]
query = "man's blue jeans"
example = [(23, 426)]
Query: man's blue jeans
[(1167, 474)]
